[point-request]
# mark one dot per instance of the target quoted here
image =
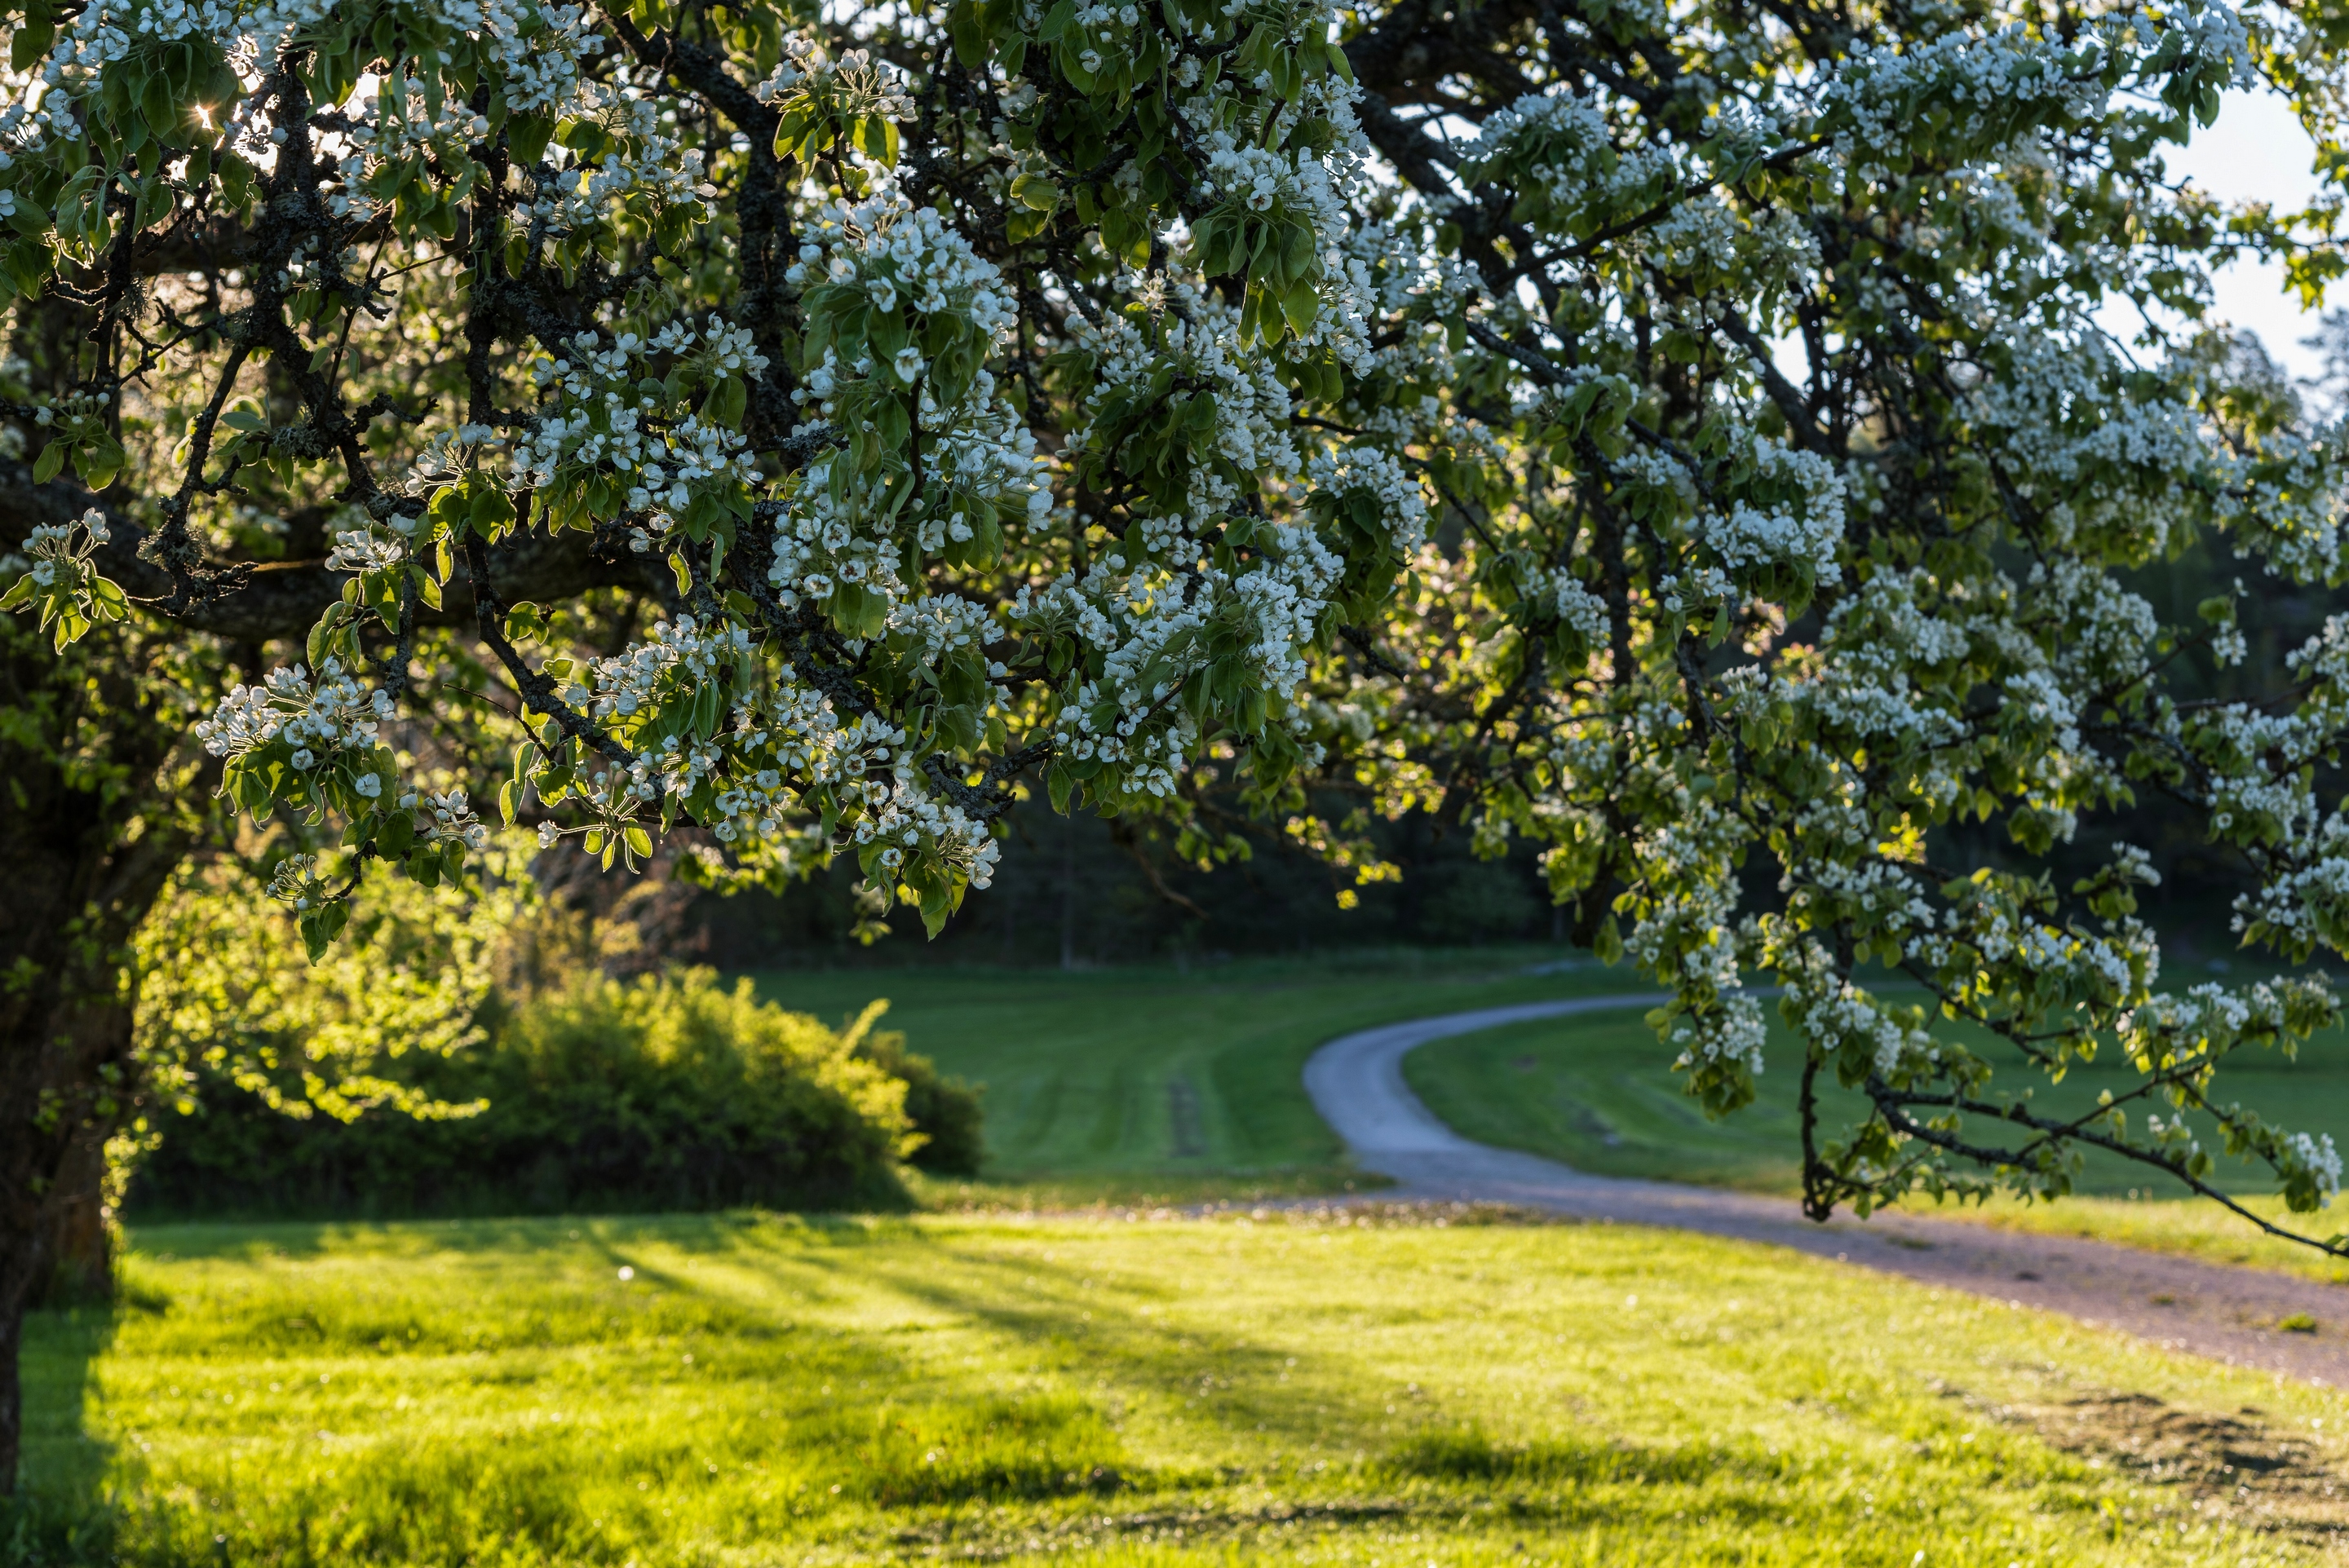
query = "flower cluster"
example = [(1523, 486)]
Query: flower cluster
[(1791, 520), (447, 818), (904, 313), (894, 251), (851, 86), (899, 817), (1556, 152), (1248, 426), (367, 549), (680, 655), (106, 33), (296, 882), (643, 170), (318, 720), (1734, 1034), (1379, 475), (62, 578), (604, 417)]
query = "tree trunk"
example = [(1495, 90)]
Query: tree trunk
[(98, 803), (77, 1252), (12, 1394), (67, 1081)]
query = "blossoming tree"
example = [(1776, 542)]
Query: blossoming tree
[(1697, 438)]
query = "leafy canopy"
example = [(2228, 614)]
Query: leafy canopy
[(1720, 444)]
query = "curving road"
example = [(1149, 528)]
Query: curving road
[(1357, 1084)]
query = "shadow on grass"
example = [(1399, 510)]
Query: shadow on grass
[(1221, 1380), (63, 1513), (1232, 1380), (1469, 1454), (467, 1492), (259, 1240)]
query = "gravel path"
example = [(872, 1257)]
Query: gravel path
[(2226, 1313)]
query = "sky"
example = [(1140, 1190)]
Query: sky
[(2254, 151), (2257, 151)]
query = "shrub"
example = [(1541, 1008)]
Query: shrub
[(946, 1111), (670, 1092)]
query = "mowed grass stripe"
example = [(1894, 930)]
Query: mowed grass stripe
[(1078, 1066)]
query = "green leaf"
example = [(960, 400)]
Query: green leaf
[(99, 462), (488, 510), (30, 42), (397, 836), (52, 460), (1036, 192), (527, 135), (965, 27), (727, 403), (1300, 305), (321, 926), (525, 623), (877, 137)]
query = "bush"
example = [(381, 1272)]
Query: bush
[(667, 1092), (944, 1112)]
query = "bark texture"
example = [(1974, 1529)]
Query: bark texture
[(88, 836), (261, 600)]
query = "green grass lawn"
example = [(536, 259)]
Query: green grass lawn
[(1146, 1082), (1300, 1389), (1598, 1093), (1117, 1080)]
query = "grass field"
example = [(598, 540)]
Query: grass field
[(768, 1390), (1147, 1082), (1597, 1093), (1295, 1386), (1187, 1080)]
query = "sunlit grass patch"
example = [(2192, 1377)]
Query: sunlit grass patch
[(1327, 1386), (2189, 1227)]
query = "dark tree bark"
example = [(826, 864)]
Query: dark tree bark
[(12, 1398), (282, 598), (100, 799), (77, 1252)]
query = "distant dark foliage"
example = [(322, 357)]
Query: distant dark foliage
[(1080, 890)]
